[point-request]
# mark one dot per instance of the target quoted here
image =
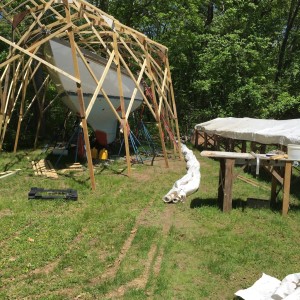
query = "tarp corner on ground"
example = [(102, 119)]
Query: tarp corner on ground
[(270, 288), (264, 131)]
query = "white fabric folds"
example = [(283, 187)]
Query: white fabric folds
[(270, 288), (189, 183)]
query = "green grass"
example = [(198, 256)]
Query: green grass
[(122, 241)]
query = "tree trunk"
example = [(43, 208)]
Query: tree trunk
[(294, 9)]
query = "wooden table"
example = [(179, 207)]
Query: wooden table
[(226, 175)]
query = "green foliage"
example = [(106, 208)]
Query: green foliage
[(224, 54), (228, 58)]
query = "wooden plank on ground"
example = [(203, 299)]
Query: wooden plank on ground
[(76, 167), (8, 173)]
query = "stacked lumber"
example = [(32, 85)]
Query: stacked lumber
[(44, 168), (75, 167)]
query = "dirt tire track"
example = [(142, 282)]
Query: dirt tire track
[(50, 266), (139, 282), (167, 216), (155, 256), (112, 271)]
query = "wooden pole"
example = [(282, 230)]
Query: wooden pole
[(24, 88), (122, 103), (41, 109), (174, 107), (80, 99), (161, 135)]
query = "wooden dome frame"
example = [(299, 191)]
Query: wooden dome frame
[(35, 22)]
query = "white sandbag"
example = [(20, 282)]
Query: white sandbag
[(184, 180), (189, 183)]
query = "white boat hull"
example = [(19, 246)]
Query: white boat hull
[(101, 118)]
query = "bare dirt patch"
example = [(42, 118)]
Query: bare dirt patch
[(5, 213)]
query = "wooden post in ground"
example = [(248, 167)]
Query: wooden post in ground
[(122, 104), (225, 184), (157, 115), (80, 99), (174, 107), (286, 187)]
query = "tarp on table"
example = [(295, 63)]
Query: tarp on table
[(264, 131)]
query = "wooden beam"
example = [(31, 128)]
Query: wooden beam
[(136, 89), (99, 84), (174, 107), (97, 34), (37, 45), (38, 59), (122, 103), (162, 89), (81, 100), (137, 85), (157, 115), (274, 173), (28, 31)]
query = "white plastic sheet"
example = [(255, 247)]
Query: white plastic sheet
[(189, 183), (270, 288), (263, 131)]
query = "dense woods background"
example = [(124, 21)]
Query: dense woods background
[(229, 58)]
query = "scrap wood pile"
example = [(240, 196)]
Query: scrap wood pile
[(44, 168)]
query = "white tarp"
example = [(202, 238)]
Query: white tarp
[(263, 131), (270, 288)]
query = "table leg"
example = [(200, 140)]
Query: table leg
[(273, 192), (225, 184), (286, 187)]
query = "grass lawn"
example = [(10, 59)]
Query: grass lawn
[(122, 241)]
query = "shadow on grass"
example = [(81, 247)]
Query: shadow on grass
[(242, 204), (82, 181), (14, 161), (108, 168), (213, 202)]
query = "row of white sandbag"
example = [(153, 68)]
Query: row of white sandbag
[(189, 183)]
